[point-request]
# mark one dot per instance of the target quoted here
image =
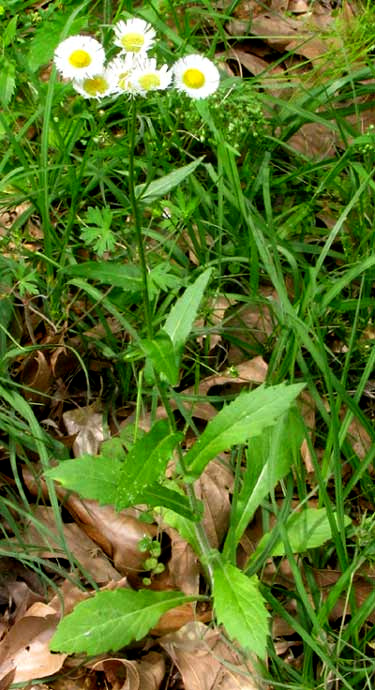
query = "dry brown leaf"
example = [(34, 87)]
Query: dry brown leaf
[(87, 423), (217, 307), (298, 6), (307, 408), (26, 646), (122, 674), (183, 565), (314, 140), (213, 489), (79, 544), (36, 374), (252, 371), (206, 662), (117, 533)]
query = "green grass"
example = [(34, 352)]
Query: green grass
[(255, 211)]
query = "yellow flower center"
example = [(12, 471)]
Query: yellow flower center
[(193, 78), (80, 59), (123, 80), (132, 42), (149, 81), (95, 86)]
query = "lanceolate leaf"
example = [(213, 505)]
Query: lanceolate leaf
[(242, 419), (111, 620), (125, 276), (308, 529), (91, 476), (161, 352), (163, 185), (268, 459), (146, 462), (240, 607), (182, 316)]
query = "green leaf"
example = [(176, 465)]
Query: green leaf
[(244, 418), (94, 477), (184, 527), (47, 36), (163, 356), (145, 463), (240, 607), (125, 276), (308, 529), (160, 496), (147, 193), (7, 80), (268, 459), (97, 231), (111, 620), (10, 31), (183, 314)]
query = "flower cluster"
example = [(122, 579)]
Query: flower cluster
[(82, 59)]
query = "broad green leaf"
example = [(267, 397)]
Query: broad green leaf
[(111, 620), (7, 81), (145, 463), (163, 185), (160, 496), (125, 276), (91, 476), (268, 459), (244, 418), (240, 607), (183, 314), (161, 352), (308, 529)]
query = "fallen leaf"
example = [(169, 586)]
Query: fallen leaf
[(86, 551), (122, 674), (206, 661), (213, 488), (25, 649)]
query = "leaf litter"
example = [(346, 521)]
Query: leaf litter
[(198, 657)]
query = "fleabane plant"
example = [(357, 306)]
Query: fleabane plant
[(132, 71), (140, 475)]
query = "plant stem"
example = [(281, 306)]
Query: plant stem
[(136, 218), (207, 554)]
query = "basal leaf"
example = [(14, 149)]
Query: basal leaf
[(163, 185), (242, 419), (91, 476), (308, 529), (163, 356), (125, 276), (145, 463), (111, 620), (183, 314), (240, 607)]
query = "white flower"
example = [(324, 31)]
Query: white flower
[(196, 75), (134, 36), (98, 86), (79, 57), (148, 77), (120, 70)]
